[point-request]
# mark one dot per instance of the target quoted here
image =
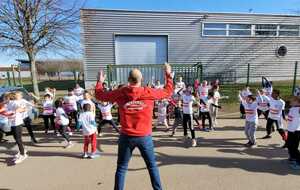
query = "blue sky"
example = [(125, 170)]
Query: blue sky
[(258, 6)]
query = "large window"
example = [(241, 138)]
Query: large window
[(288, 30), (239, 30), (247, 30), (214, 29), (265, 30)]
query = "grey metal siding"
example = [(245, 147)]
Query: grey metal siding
[(186, 45)]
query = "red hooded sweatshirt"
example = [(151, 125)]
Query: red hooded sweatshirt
[(135, 105)]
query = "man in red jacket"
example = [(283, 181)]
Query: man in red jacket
[(135, 106)]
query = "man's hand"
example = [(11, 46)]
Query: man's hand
[(168, 68), (101, 76)]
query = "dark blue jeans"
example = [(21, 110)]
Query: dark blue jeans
[(126, 145)]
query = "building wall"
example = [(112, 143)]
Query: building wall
[(186, 45)]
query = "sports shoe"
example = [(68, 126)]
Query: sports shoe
[(58, 135), (21, 158), (94, 155), (16, 156), (253, 145), (284, 146), (172, 135), (34, 141), (267, 137), (71, 133), (295, 166), (247, 144), (194, 143), (85, 155), (69, 144), (100, 134), (185, 138)]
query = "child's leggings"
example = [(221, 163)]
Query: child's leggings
[(206, 115), (250, 129), (293, 145), (27, 124), (17, 134), (90, 139), (111, 122), (63, 131), (188, 121), (279, 128)]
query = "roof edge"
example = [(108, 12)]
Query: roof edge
[(189, 12)]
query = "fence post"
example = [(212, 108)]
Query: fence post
[(248, 74), (8, 78), (108, 74), (13, 75), (201, 72), (295, 77)]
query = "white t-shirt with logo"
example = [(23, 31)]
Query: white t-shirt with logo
[(251, 111), (106, 111), (48, 108), (203, 91), (78, 92), (276, 107), (263, 102), (60, 117), (18, 117), (87, 120), (70, 103), (294, 119), (187, 103)]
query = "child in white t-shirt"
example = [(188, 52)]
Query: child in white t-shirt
[(70, 107), (87, 99), (162, 113), (294, 133), (105, 109), (276, 116), (188, 100), (89, 130), (78, 92), (250, 106), (48, 113), (62, 121), (15, 105), (207, 106)]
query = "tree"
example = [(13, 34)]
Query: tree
[(34, 26)]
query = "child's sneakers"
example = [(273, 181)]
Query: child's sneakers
[(94, 155), (16, 156), (253, 145), (20, 159), (100, 134), (69, 144), (194, 143), (248, 144), (85, 155), (172, 135), (295, 166)]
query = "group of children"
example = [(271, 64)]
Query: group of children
[(268, 102), (185, 103), (188, 104)]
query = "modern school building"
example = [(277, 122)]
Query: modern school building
[(223, 43)]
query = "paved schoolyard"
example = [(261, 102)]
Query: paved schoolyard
[(220, 162)]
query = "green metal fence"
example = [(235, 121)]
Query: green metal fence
[(118, 74), (233, 77)]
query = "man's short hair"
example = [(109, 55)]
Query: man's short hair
[(135, 76)]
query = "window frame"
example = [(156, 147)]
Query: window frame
[(252, 30)]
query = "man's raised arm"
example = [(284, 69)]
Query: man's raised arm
[(167, 91), (110, 96)]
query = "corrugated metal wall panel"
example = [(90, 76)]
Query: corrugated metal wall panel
[(186, 45)]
